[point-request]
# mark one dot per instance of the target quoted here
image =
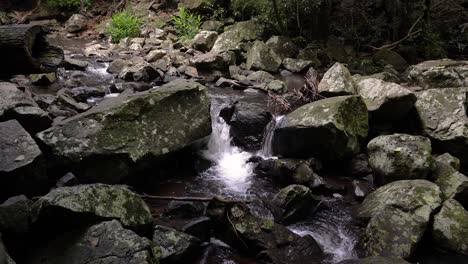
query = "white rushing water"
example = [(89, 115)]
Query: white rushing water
[(267, 149)]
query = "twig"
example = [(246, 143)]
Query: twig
[(410, 34)]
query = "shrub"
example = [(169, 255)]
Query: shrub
[(187, 24), (68, 4), (124, 25)]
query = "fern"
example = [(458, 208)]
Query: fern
[(186, 24)]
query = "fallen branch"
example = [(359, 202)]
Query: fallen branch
[(195, 199), (394, 44)]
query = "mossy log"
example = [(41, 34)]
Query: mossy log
[(25, 50)]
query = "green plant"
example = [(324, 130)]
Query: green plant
[(69, 4), (124, 25), (186, 24)]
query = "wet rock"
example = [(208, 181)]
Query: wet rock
[(67, 180), (337, 81), (181, 209), (385, 100), (73, 64), (139, 73), (248, 120), (20, 161), (397, 215), (4, 257), (296, 65), (65, 97), (106, 242), (444, 119), (388, 57), (262, 57), (155, 55), (289, 171), (375, 260), (205, 40), (175, 246), (81, 94), (234, 36), (14, 217), (105, 143), (400, 157), (277, 86), (100, 201), (450, 229), (212, 61), (439, 74), (199, 227), (76, 23), (327, 129), (295, 201), (263, 238), (283, 46), (452, 183)]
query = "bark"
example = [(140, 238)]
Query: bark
[(25, 50)]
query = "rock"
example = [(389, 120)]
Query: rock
[(212, 61), (388, 57), (72, 64), (400, 157), (155, 55), (134, 86), (101, 201), (248, 120), (97, 50), (65, 97), (4, 257), (213, 25), (359, 166), (67, 180), (20, 161), (443, 119), (277, 86), (182, 209), (452, 183), (397, 215), (117, 66), (33, 118), (262, 57), (43, 79), (439, 74), (337, 81), (259, 77), (264, 238), (295, 201), (235, 35), (450, 229), (446, 158), (139, 73), (175, 246), (289, 171), (76, 23), (296, 65), (14, 217), (375, 260), (205, 40), (327, 129), (81, 94), (130, 129), (106, 242), (385, 100), (283, 46), (199, 227)]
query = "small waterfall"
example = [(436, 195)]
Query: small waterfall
[(267, 149)]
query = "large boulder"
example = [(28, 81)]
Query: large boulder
[(236, 35), (385, 100), (337, 81), (82, 203), (452, 183), (263, 238), (76, 23), (124, 131), (439, 74), (397, 216), (450, 228), (283, 46), (327, 129), (212, 61), (106, 242), (294, 201), (20, 161), (175, 246), (400, 157), (262, 57), (205, 40), (444, 120), (247, 121)]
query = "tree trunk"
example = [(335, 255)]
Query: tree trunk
[(25, 50)]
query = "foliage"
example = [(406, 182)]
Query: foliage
[(124, 25), (186, 24), (434, 46), (68, 4)]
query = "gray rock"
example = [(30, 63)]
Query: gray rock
[(205, 40), (400, 157), (76, 23), (327, 129), (444, 119), (359, 166), (277, 86), (73, 64), (134, 86), (259, 77), (397, 215), (262, 57), (212, 61), (100, 200), (450, 229), (175, 246), (452, 183), (235, 35), (337, 81), (67, 180), (81, 94), (65, 97), (213, 25), (296, 65), (182, 209), (130, 129), (289, 171), (385, 100), (439, 74), (283, 47), (388, 57), (139, 73), (106, 242), (14, 217), (295, 201), (117, 66), (12, 97), (32, 118), (446, 158), (155, 55)]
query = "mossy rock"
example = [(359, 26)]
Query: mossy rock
[(450, 230)]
